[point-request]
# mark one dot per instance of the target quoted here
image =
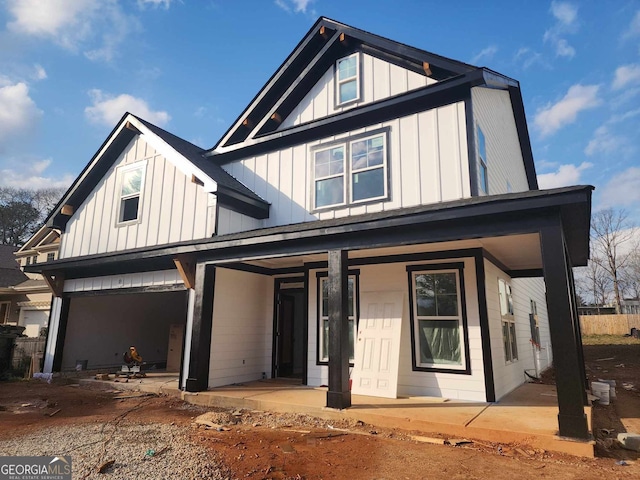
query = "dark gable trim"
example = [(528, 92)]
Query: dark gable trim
[(485, 331), (426, 98), (434, 267), (523, 136)]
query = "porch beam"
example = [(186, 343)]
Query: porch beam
[(572, 421), (200, 352), (339, 394)]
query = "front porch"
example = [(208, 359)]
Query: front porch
[(528, 415)]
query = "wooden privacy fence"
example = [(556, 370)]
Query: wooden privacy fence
[(26, 348), (609, 324)]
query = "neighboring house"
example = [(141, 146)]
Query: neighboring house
[(630, 306), (10, 275), (373, 215)]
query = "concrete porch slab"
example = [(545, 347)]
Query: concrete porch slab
[(528, 415)]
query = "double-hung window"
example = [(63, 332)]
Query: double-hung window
[(131, 180), (438, 318), (482, 162), (351, 172), (508, 322), (347, 79), (323, 304)]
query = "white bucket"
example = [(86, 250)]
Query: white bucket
[(612, 390), (601, 390)]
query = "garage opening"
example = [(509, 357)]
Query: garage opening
[(101, 328)]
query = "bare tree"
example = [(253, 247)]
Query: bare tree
[(631, 275), (593, 282), (22, 212), (612, 236)]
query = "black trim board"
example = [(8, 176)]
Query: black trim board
[(485, 332), (63, 321), (523, 136), (434, 267)]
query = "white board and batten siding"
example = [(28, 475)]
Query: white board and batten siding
[(172, 209), (493, 113), (509, 375), (379, 80), (427, 154), (393, 278), (242, 333)]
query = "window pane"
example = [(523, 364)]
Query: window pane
[(329, 191), (325, 298), (325, 338), (351, 340), (129, 209), (514, 343), (505, 341), (351, 297), (425, 296), (448, 305), (484, 183), (439, 342), (131, 182), (347, 68), (348, 91), (446, 283), (482, 149), (368, 184)]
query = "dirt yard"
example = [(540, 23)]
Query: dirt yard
[(156, 437)]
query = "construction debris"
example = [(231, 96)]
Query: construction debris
[(105, 466), (630, 441)]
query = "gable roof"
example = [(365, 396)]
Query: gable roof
[(256, 129), (185, 155), (10, 273), (45, 238)]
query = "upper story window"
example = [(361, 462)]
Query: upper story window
[(348, 79), (51, 257), (131, 184), (482, 162), (351, 172)]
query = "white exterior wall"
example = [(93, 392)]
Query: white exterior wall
[(394, 277), (508, 376), (427, 154), (379, 80), (128, 280), (493, 112), (242, 333), (172, 209), (234, 222)]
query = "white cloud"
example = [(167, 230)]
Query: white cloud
[(29, 172), (605, 142), (298, 6), (563, 49), (107, 109), (564, 12), (39, 73), (565, 175), (486, 53), (18, 112), (553, 117), (96, 27), (529, 57), (622, 189), (154, 3), (625, 75), (634, 28)]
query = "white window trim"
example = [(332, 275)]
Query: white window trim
[(121, 170), (347, 172), (459, 318), (508, 318), (323, 318), (340, 81)]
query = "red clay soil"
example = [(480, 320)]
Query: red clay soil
[(268, 446)]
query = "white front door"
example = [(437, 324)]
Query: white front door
[(377, 350)]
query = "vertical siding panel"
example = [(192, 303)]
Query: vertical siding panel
[(429, 158), (156, 185), (367, 78), (395, 159), (188, 210), (465, 190), (261, 185), (273, 177), (409, 156), (164, 226), (299, 202), (381, 86), (175, 227), (110, 192), (415, 80), (286, 185), (90, 219), (398, 79), (448, 155), (147, 200)]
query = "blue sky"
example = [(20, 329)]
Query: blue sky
[(70, 68)]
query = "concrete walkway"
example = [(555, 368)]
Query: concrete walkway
[(528, 415)]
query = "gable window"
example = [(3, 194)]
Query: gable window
[(323, 316), (51, 257), (438, 318), (482, 161), (347, 79), (508, 322), (351, 172), (131, 183)]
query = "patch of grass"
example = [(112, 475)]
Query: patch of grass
[(609, 340)]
